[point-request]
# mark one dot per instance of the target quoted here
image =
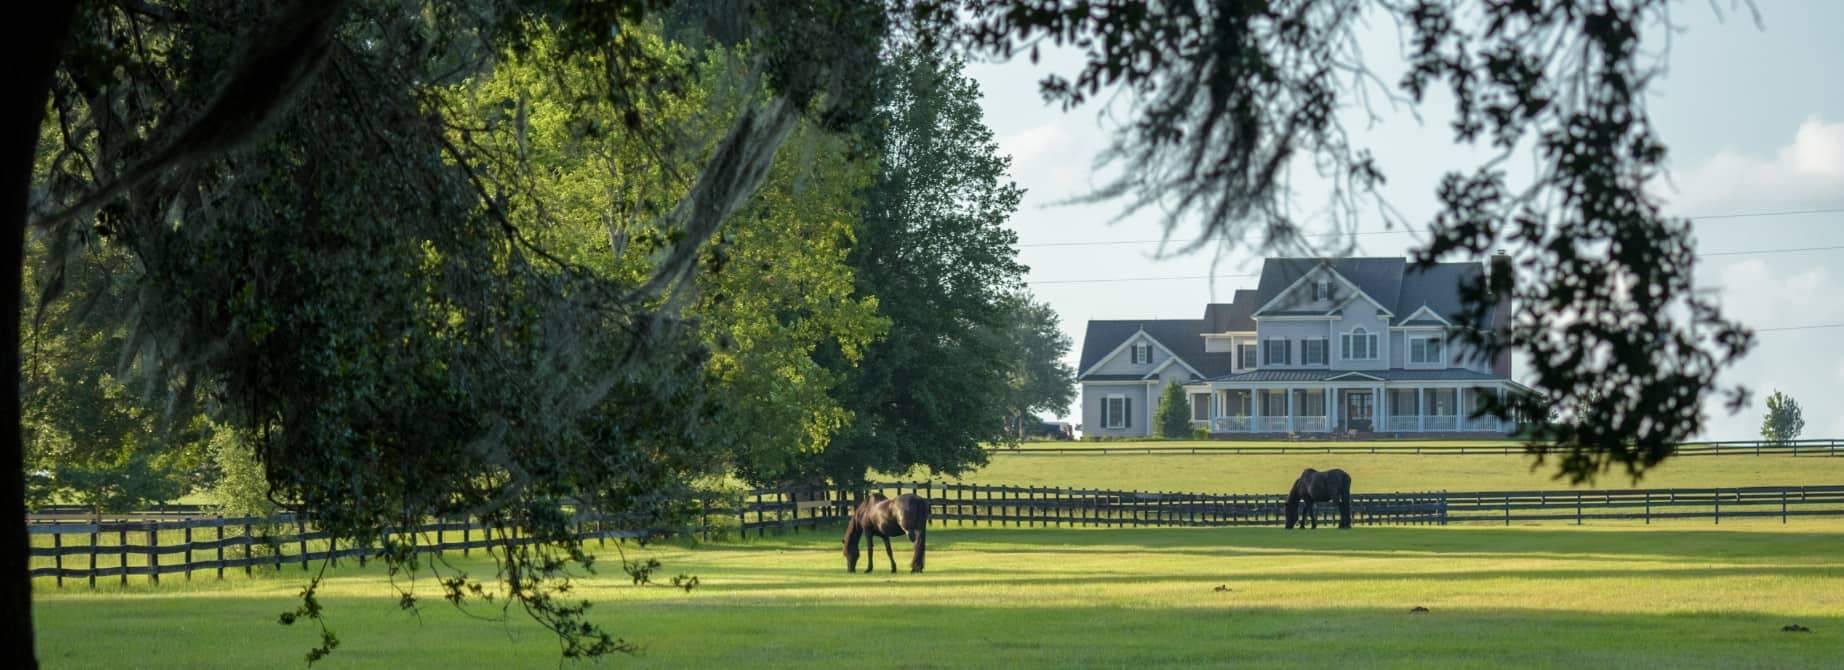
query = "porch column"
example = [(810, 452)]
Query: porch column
[(1254, 409), (1501, 405), (1421, 408), (1326, 393), (1459, 410), (1382, 409), (1289, 410)]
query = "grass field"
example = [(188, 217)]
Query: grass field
[(1380, 473), (1526, 597)]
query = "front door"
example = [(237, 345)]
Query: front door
[(1359, 405)]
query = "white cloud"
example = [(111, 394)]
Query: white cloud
[(1032, 144), (1838, 374), (1807, 172), (1767, 295)]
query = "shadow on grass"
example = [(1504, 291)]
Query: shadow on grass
[(830, 634), (1470, 542)]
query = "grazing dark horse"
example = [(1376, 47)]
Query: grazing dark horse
[(1314, 486), (878, 516)]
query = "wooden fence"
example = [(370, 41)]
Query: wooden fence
[(213, 545), (66, 549), (783, 510), (1830, 447)]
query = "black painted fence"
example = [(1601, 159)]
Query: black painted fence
[(88, 551), (782, 510), (1820, 448)]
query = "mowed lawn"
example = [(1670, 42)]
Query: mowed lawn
[(1551, 596), (1381, 473)]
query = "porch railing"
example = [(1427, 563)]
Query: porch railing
[(1405, 423), (1232, 424), (1271, 424), (1309, 424), (1484, 423)]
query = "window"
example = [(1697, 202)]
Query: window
[(1310, 403), (1142, 353), (1277, 352), (1200, 407), (1245, 356), (1273, 403), (1312, 352), (1441, 402), (1359, 345), (1322, 290), (1425, 350), (1116, 412)]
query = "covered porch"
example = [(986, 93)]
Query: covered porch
[(1342, 408)]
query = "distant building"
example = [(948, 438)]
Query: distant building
[(1347, 346)]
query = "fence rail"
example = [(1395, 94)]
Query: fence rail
[(1825, 448), (91, 550), (767, 510)]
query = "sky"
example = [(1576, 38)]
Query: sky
[(1753, 117)]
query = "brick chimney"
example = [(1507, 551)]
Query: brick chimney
[(1500, 281)]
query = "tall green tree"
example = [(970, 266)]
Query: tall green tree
[(934, 250), (336, 271), (1783, 421), (1040, 380), (1174, 414)]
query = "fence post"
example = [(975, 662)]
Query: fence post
[(1578, 509), (1717, 495), (301, 534), (188, 550), (121, 540), (1443, 507), (153, 551), (57, 559), (1782, 507), (94, 538), (220, 525), (248, 534), (1507, 510), (1648, 508)]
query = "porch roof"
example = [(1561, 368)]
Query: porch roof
[(1449, 375)]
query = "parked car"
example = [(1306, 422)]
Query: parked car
[(1056, 431)]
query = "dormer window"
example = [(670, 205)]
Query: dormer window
[(1359, 345), (1141, 353), (1322, 290)]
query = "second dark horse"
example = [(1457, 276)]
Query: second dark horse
[(878, 516), (1314, 486)]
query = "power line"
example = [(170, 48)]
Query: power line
[(1127, 279), (1405, 231), (1751, 252), (1770, 251), (1814, 326)]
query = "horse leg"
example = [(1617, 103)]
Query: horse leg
[(891, 553), (1344, 510), (870, 553), (918, 537)]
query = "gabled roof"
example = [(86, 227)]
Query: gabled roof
[(1437, 288), (1379, 278), (1393, 283), (1184, 337), (1232, 316)]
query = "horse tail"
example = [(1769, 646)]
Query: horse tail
[(1293, 505), (1344, 501), (918, 535)]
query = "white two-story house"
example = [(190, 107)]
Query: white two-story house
[(1346, 346)]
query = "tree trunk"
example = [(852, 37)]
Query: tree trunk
[(39, 31)]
